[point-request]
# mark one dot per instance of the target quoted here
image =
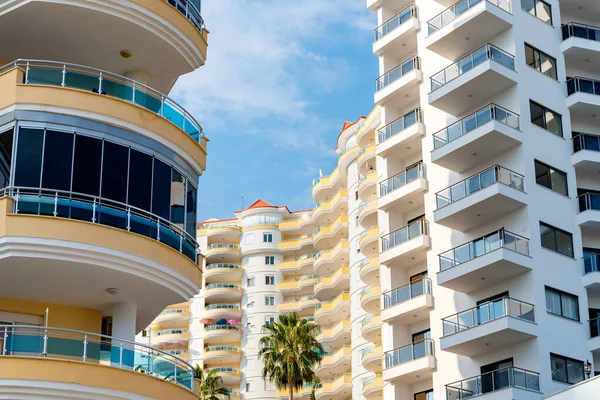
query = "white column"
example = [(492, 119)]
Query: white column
[(124, 316)]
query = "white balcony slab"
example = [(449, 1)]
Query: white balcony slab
[(581, 54), (469, 31), (411, 372), (594, 344), (409, 140), (589, 221), (408, 196), (406, 254), (591, 281), (477, 146), (586, 162), (400, 42), (409, 311), (480, 207), (484, 271), (583, 107), (402, 91), (473, 88), (489, 337)]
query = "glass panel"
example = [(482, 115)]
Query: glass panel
[(82, 81), (537, 114), (548, 237), (29, 157), (6, 147), (58, 158), (542, 176), (585, 85), (45, 76), (114, 172), (559, 181), (564, 243), (190, 219), (140, 180), (570, 306), (488, 177), (177, 198), (161, 190), (118, 90), (529, 56), (574, 371), (86, 165), (548, 65), (553, 301), (544, 12)]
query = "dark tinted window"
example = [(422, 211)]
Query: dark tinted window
[(177, 198), (140, 179), (161, 189), (556, 239), (190, 220), (114, 172), (29, 157), (6, 147), (87, 165), (58, 158), (551, 178)]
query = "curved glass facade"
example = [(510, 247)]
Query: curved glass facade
[(73, 175)]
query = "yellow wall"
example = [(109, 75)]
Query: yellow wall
[(77, 318)]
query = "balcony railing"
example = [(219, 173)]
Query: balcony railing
[(190, 11), (475, 183), (404, 234), (173, 311), (402, 123), (218, 226), (223, 246), (368, 381), (222, 265), (594, 328), (398, 72), (65, 75), (406, 292), (408, 13), (213, 328), (585, 141), (583, 85), (172, 332), (224, 370), (221, 348), (410, 352), (491, 112), (591, 264), (97, 210), (581, 31), (477, 248), (455, 11), (91, 348), (589, 201), (223, 307), (397, 181), (301, 278), (510, 377), (467, 63), (298, 258), (222, 286), (487, 312)]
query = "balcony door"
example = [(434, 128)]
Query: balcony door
[(496, 376), (15, 336), (491, 308), (420, 344), (417, 285)]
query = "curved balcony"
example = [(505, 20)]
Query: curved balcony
[(411, 363), (330, 312), (324, 237), (367, 214), (300, 305), (335, 388), (369, 270), (329, 285), (296, 243), (221, 355), (327, 186), (586, 154), (225, 252), (400, 86), (174, 317), (591, 275), (365, 136), (328, 261), (222, 292), (370, 299), (397, 37), (371, 357), (367, 186), (73, 358), (583, 99), (297, 264), (171, 336), (368, 242), (335, 362), (215, 334), (366, 159), (109, 97), (296, 223), (223, 272), (406, 246), (227, 311), (330, 210), (336, 336), (301, 285), (230, 376), (580, 43), (403, 134), (260, 224), (233, 395), (372, 388), (409, 303), (370, 328), (346, 157), (515, 383), (404, 190), (223, 233)]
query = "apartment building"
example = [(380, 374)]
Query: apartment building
[(99, 172), (487, 157)]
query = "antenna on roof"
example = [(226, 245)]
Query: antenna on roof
[(242, 202)]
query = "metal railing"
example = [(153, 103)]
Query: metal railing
[(301, 299), (406, 292), (223, 369), (400, 124), (477, 248), (368, 381), (298, 258), (66, 75), (491, 381), (92, 348), (172, 311), (97, 210), (591, 263), (256, 223), (487, 312), (222, 265), (589, 201), (404, 234), (583, 85), (172, 332), (398, 72), (190, 11), (456, 10), (397, 181), (470, 61), (366, 351), (222, 286), (301, 278), (223, 307), (410, 352), (407, 14), (493, 175), (594, 328), (221, 328), (581, 31), (585, 141), (218, 226), (223, 246), (221, 348), (491, 112)]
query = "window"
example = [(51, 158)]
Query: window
[(29, 157), (356, 195), (545, 118), (140, 167), (114, 173), (268, 237), (356, 221), (270, 260), (539, 9), (551, 178), (247, 386), (540, 61), (556, 239), (250, 282), (250, 305), (6, 150), (269, 301), (426, 395), (269, 320), (566, 369), (270, 280), (58, 158), (562, 304)]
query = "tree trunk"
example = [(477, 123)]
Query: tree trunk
[(291, 386)]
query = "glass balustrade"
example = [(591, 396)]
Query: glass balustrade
[(404, 234), (406, 292), (222, 265), (403, 16), (584, 141), (221, 348), (492, 381), (222, 286), (397, 181), (212, 328), (223, 306), (583, 85), (409, 352), (591, 263), (458, 9), (594, 328), (573, 29), (400, 124), (223, 246), (398, 72), (190, 11)]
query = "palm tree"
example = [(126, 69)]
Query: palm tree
[(290, 352), (316, 385), (209, 387)]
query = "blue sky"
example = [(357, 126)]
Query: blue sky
[(281, 78)]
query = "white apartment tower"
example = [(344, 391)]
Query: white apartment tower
[(488, 163)]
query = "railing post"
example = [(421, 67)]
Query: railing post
[(64, 75), (100, 83), (151, 362), (120, 354), (94, 211), (133, 92), (158, 229), (175, 372), (128, 219), (27, 73), (45, 348), (85, 343), (55, 213), (4, 341), (17, 202)]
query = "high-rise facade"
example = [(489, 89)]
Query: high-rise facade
[(99, 172)]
